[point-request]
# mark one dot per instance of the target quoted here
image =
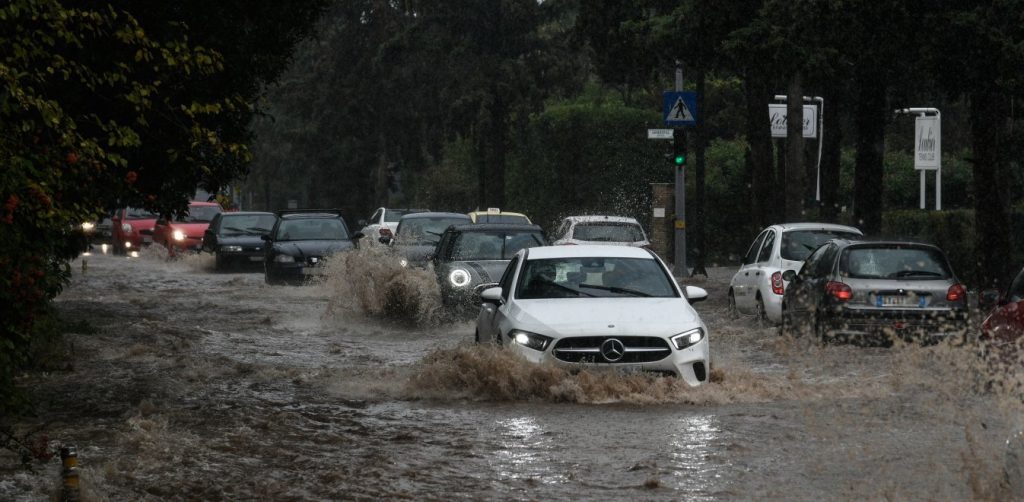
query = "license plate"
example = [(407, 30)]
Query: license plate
[(894, 301), (255, 258), (147, 239)]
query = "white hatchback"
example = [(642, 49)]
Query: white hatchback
[(758, 286), (597, 307), (608, 230)]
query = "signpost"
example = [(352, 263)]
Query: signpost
[(928, 148), (679, 110)]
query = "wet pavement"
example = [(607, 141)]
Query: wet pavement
[(203, 385)]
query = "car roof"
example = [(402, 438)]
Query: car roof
[(817, 226), (592, 218), (490, 227), (882, 242), (245, 213), (500, 213), (588, 251), (435, 215), (299, 216)]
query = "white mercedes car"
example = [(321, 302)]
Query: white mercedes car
[(593, 306)]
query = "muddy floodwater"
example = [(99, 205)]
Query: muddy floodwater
[(191, 384)]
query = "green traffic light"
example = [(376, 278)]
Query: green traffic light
[(680, 160)]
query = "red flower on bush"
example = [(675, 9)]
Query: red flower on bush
[(72, 158)]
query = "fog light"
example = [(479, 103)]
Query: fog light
[(127, 244), (688, 338), (531, 340), (134, 254)]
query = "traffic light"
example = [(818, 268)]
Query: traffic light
[(679, 149)]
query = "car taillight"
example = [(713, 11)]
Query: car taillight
[(956, 292), (385, 232), (839, 290), (778, 287)]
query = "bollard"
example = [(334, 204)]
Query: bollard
[(69, 459)]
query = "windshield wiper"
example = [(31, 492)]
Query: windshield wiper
[(242, 230), (559, 286), (614, 289)]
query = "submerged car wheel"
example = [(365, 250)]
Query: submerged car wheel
[(761, 315), (218, 262), (733, 312)]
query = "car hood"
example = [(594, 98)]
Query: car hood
[(240, 240), (415, 253), (311, 248), (482, 271), (193, 230), (607, 316)]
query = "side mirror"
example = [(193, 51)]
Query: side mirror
[(358, 235), (789, 275), (989, 299), (361, 223), (491, 295), (265, 237), (695, 294)]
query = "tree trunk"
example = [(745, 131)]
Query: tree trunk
[(871, 113), (698, 249), (992, 243), (759, 139), (795, 181), (831, 156)]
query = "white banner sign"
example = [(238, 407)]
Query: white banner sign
[(777, 114), (927, 143)]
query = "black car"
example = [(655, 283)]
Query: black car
[(875, 291), (417, 235), (474, 254), (299, 242), (235, 238)]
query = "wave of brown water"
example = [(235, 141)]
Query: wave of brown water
[(371, 282)]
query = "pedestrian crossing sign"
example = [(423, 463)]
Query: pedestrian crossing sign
[(680, 108)]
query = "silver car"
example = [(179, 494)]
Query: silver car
[(862, 290)]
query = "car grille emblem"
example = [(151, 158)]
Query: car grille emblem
[(612, 349)]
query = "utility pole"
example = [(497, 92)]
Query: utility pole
[(679, 146)]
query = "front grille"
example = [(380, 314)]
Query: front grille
[(587, 349)]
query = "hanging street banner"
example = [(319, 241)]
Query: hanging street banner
[(777, 113), (679, 108), (927, 143)]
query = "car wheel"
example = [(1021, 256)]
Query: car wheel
[(760, 314), (732, 312), (476, 336), (218, 262)]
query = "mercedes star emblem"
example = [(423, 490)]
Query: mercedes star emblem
[(613, 350)]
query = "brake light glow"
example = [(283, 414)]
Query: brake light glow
[(956, 292), (838, 290), (778, 287)]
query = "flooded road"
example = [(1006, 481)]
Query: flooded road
[(202, 385)]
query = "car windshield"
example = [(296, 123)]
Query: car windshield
[(893, 262), (200, 214), (246, 224), (608, 232), (472, 246), (426, 230), (593, 277), (797, 245), (134, 213), (321, 229), (502, 218)]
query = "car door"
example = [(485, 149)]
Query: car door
[(491, 315), (742, 282), (760, 271), (799, 301)]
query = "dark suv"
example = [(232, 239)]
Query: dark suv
[(299, 242)]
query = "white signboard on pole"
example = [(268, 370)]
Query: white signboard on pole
[(777, 114), (927, 143)]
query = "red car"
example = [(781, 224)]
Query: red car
[(186, 232), (126, 229), (1003, 329)]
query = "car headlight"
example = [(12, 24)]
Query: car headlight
[(88, 226), (531, 340), (126, 228), (403, 262), (178, 235), (459, 278), (283, 258), (231, 249), (687, 338)]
